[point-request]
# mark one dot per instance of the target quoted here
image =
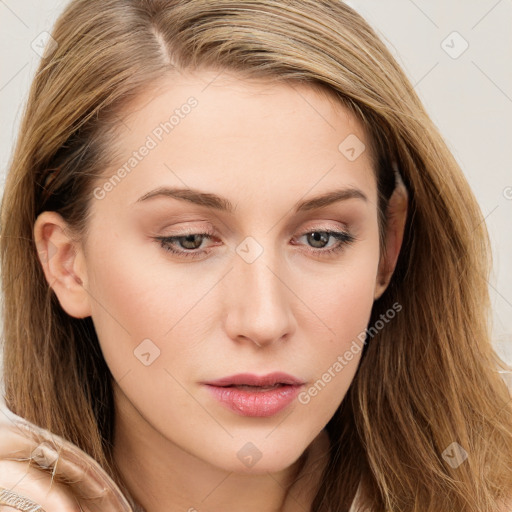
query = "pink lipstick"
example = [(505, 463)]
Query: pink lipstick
[(253, 395)]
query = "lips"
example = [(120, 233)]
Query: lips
[(256, 396), (249, 379)]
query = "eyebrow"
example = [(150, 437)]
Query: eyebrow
[(216, 202)]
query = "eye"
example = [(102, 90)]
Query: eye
[(188, 245), (319, 240)]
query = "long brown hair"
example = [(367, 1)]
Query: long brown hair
[(429, 379)]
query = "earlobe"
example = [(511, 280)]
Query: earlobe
[(62, 261), (396, 218)]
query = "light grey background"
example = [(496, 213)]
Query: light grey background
[(469, 97)]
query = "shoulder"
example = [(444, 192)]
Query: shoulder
[(54, 467), (20, 481)]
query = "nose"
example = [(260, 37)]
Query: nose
[(257, 301)]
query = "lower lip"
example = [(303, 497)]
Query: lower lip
[(255, 403)]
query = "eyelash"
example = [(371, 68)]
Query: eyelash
[(343, 239)]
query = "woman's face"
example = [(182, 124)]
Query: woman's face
[(209, 256)]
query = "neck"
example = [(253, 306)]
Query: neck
[(162, 477)]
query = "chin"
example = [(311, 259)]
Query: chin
[(261, 456)]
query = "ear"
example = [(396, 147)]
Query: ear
[(63, 263), (396, 217)]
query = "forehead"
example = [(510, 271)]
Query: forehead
[(237, 136)]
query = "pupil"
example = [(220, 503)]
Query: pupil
[(321, 237), (191, 239)]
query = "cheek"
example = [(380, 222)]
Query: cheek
[(151, 315), (342, 304), (342, 295)]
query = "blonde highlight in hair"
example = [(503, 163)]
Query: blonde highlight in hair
[(427, 380)]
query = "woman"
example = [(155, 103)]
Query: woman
[(242, 271)]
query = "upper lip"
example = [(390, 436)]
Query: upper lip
[(250, 379)]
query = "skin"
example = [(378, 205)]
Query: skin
[(264, 147)]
